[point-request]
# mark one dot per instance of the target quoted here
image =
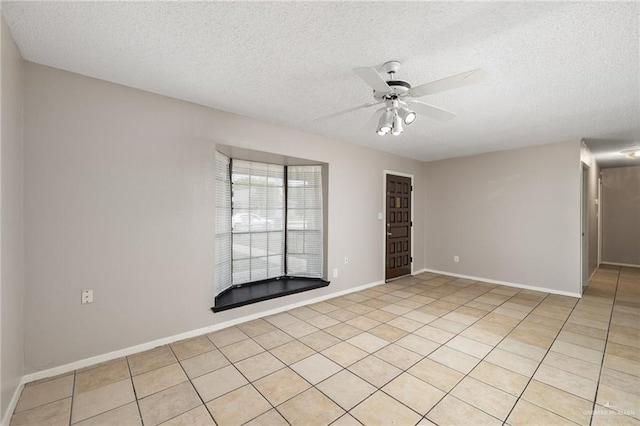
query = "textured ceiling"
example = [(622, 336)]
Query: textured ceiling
[(556, 71)]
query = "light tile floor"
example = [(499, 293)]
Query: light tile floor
[(424, 350)]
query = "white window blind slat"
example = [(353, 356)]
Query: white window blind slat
[(223, 224), (257, 221), (305, 245)]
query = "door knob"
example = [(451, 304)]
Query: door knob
[(388, 233)]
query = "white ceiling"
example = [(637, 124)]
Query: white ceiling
[(556, 70)]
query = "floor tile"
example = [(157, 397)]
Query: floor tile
[(414, 393), (381, 409), (619, 380), (526, 413), (454, 359), (572, 365), (227, 336), (375, 371), (259, 366), (344, 354), (387, 332), (299, 329), (150, 360), (559, 402), (322, 321), (368, 342), (192, 347), (44, 393), (576, 351), (254, 328), (487, 398), (198, 416), (452, 411), (469, 346), (159, 379), (169, 403), (523, 349), (500, 378), (52, 414), (343, 331), (281, 386), (102, 375), (346, 420), (436, 374), (292, 352), (270, 418), (434, 334), (281, 320), (241, 350), (418, 344), (319, 340), (304, 312), (566, 381), (606, 416), (363, 323), (448, 325), (238, 407), (316, 368), (310, 408), (205, 363), (100, 400), (406, 324), (513, 362), (398, 356), (219, 382), (127, 415), (346, 389), (273, 339)]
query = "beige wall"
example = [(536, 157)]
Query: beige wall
[(11, 266), (621, 215), (511, 216), (119, 199)]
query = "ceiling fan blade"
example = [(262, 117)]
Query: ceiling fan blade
[(373, 79), (431, 111), (346, 111), (448, 83), (373, 121)]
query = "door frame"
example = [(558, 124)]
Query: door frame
[(584, 227), (383, 225)]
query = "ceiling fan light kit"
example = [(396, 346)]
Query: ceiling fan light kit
[(398, 96)]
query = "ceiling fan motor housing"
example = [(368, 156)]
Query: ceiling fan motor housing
[(399, 88)]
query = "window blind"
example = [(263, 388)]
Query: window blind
[(223, 224), (257, 221), (305, 250)]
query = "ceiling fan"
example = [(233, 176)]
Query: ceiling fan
[(398, 97)]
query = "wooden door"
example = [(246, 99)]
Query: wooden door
[(399, 222)]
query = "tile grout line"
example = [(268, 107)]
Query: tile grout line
[(482, 359), (604, 350)]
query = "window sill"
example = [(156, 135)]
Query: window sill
[(265, 290)]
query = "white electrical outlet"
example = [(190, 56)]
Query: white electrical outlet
[(456, 259), (87, 296), (346, 260), (335, 272)]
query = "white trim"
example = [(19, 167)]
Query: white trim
[(171, 339), (506, 283), (594, 272), (6, 419), (386, 172), (629, 265)]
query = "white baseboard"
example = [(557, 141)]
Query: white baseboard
[(506, 283), (629, 265), (171, 339), (6, 419)]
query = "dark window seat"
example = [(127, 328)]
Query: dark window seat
[(264, 290)]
